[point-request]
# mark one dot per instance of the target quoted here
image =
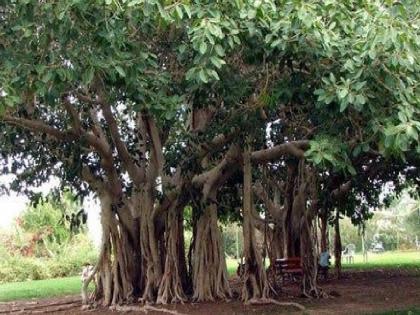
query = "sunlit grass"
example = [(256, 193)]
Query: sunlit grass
[(39, 289), (391, 259)]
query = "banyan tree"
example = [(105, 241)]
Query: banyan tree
[(153, 106)]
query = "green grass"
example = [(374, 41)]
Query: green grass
[(386, 260), (39, 289)]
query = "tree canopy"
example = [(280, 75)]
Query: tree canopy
[(296, 107)]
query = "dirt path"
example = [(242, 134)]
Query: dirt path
[(359, 293)]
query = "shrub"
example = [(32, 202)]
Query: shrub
[(68, 262)]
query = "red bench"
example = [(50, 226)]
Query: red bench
[(289, 267)]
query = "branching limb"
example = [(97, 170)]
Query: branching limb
[(295, 148)]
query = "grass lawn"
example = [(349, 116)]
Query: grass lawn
[(39, 289), (71, 285), (394, 259)]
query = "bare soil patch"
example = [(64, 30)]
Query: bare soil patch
[(356, 293)]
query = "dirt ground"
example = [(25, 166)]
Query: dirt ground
[(356, 293)]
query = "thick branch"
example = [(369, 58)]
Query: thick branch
[(157, 145), (39, 126), (218, 174), (295, 148), (133, 170)]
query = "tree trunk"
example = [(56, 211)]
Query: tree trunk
[(292, 235), (255, 283), (308, 258), (149, 246), (174, 281), (117, 271), (210, 277), (279, 239), (324, 231), (337, 245)]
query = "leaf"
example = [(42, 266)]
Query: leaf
[(47, 76), (214, 74), (343, 106), (402, 117), (360, 99), (351, 170), (275, 43), (203, 48), (357, 150), (187, 10), (219, 50), (120, 70), (252, 14), (412, 132), (203, 77), (88, 76), (343, 93), (216, 61), (179, 12)]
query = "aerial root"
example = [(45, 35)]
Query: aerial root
[(146, 309), (262, 301)]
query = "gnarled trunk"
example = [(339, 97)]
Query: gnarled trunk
[(308, 249), (308, 258), (255, 282), (210, 277), (149, 246), (118, 273), (174, 281)]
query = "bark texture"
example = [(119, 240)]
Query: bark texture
[(210, 277), (255, 282), (174, 281)]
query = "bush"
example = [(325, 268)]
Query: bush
[(68, 262)]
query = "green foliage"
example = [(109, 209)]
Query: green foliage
[(395, 227), (232, 240), (326, 152), (73, 255), (46, 242), (54, 220)]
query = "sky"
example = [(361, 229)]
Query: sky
[(13, 204)]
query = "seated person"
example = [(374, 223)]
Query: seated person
[(324, 263)]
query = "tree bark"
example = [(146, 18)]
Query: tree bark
[(324, 231), (337, 245), (210, 277), (149, 245), (292, 237), (174, 281), (117, 272), (255, 282)]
